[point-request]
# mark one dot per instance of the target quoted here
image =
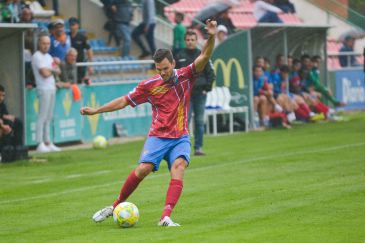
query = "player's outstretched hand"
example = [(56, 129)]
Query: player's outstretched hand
[(87, 111), (211, 27)]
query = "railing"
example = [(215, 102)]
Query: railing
[(349, 55), (121, 71)]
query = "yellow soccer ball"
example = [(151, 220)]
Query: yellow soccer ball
[(100, 142), (126, 214)]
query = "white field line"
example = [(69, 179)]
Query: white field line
[(282, 155)]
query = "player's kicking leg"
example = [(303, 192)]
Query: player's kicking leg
[(174, 191), (132, 182)]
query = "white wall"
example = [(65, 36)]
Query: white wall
[(313, 15)]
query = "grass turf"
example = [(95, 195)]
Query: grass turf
[(301, 185)]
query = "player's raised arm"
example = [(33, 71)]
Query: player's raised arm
[(208, 47), (116, 104)]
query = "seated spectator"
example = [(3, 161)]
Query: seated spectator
[(11, 127), (279, 62), (221, 35), (295, 84), (314, 83), (10, 11), (224, 19), (285, 5), (178, 33), (290, 60), (266, 12), (267, 67), (60, 41), (68, 70), (348, 46), (80, 42), (260, 91), (294, 105)]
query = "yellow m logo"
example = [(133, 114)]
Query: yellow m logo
[(227, 69)]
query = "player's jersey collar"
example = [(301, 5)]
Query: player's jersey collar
[(173, 79)]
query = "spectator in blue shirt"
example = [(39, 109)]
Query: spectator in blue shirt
[(348, 46), (60, 41)]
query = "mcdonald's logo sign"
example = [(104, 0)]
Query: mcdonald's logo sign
[(227, 69)]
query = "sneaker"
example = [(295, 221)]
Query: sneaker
[(166, 221), (317, 117), (42, 148), (53, 148), (102, 214), (291, 117), (199, 152)]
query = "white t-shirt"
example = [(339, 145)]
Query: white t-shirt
[(260, 8), (41, 60)]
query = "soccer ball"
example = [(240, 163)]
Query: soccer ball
[(100, 142), (126, 214)]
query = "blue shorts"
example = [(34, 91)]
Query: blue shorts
[(156, 149)]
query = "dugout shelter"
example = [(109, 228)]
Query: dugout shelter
[(12, 66), (233, 59)]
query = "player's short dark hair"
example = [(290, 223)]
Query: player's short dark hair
[(2, 89), (284, 69), (190, 32), (161, 54)]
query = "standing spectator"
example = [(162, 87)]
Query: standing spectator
[(122, 14), (221, 35), (80, 42), (29, 46), (266, 12), (348, 46), (146, 28), (60, 41), (110, 25), (44, 69), (68, 69), (224, 19), (12, 126), (285, 5), (202, 85), (179, 33)]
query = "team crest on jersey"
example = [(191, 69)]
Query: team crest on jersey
[(159, 90)]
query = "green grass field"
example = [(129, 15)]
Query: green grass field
[(306, 184)]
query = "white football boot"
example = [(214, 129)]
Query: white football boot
[(166, 221), (102, 214)]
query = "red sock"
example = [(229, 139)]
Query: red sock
[(305, 107), (129, 186), (302, 112), (172, 196), (321, 108)]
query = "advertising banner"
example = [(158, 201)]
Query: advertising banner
[(350, 88)]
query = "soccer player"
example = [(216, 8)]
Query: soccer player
[(169, 94)]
